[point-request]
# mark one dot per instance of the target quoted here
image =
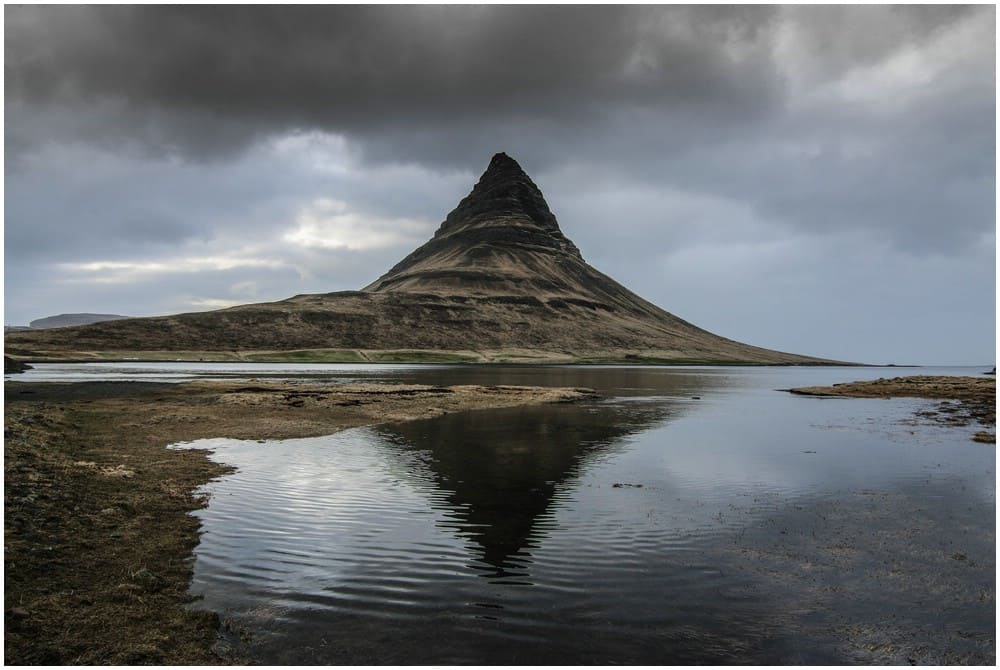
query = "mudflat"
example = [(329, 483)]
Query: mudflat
[(97, 531), (971, 399)]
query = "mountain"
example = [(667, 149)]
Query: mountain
[(63, 320), (498, 281)]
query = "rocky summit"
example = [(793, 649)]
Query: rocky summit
[(500, 240), (498, 281)]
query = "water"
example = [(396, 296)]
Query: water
[(182, 372), (692, 515)]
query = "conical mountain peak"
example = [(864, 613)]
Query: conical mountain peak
[(504, 169), (498, 278), (501, 162), (503, 194), (502, 235)]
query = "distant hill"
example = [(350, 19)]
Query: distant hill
[(64, 320), (498, 281)]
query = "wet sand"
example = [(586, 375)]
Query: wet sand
[(97, 531)]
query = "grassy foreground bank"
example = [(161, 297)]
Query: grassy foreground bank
[(97, 532)]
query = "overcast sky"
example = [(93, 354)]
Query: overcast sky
[(819, 180)]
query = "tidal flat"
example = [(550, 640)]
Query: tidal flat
[(676, 516)]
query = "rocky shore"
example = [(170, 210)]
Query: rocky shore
[(967, 399), (13, 367), (97, 531)]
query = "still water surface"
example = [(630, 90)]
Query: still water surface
[(651, 526)]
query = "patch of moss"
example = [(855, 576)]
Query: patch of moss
[(166, 356), (420, 357)]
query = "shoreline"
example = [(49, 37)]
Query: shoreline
[(965, 400), (98, 534), (500, 356)]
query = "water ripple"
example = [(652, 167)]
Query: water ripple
[(471, 539)]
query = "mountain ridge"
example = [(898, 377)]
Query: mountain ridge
[(73, 319)]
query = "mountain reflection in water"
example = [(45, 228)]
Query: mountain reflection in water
[(747, 526), (376, 539), (503, 470)]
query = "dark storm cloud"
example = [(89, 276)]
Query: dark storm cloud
[(735, 164), (205, 79)]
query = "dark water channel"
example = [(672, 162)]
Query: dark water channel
[(689, 516)]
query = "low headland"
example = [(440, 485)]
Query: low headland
[(97, 532)]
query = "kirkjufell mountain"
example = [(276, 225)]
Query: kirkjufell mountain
[(498, 281)]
